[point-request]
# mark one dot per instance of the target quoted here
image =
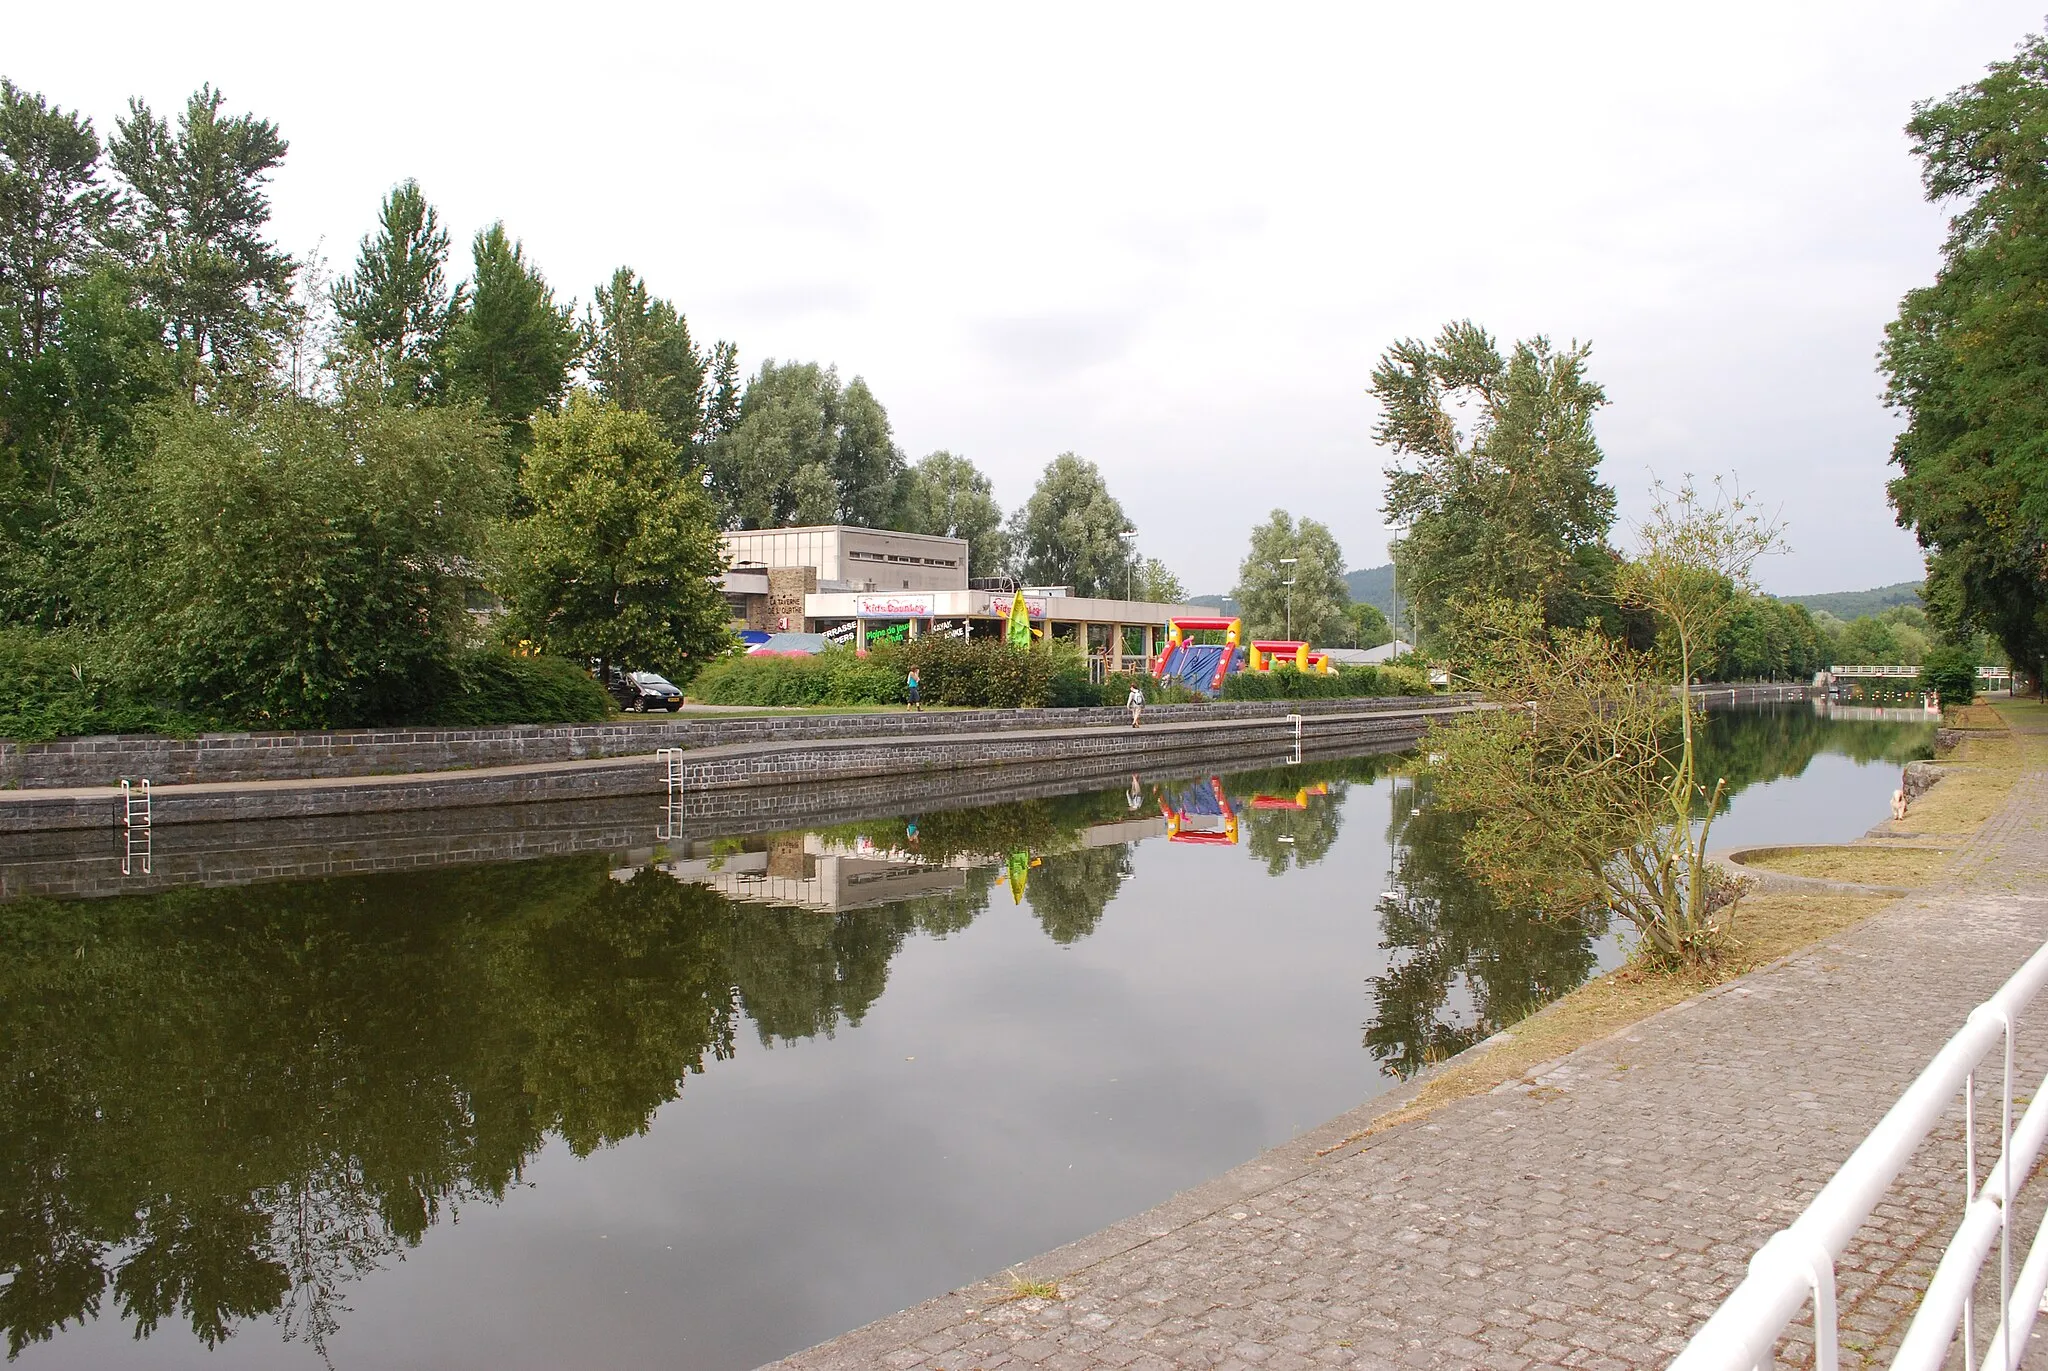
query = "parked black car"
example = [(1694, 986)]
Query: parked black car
[(643, 690)]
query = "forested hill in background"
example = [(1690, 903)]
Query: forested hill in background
[(1372, 586), (1854, 604), (1375, 586)]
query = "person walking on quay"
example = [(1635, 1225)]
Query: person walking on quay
[(1135, 702), (910, 689)]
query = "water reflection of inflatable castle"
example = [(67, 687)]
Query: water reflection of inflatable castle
[(1200, 813), (1298, 800)]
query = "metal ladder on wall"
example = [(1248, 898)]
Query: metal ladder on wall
[(671, 826), (136, 813)]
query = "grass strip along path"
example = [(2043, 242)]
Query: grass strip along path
[(1585, 1189)]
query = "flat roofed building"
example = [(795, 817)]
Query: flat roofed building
[(848, 558), (851, 584)]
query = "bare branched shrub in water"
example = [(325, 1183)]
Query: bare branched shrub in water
[(1584, 778)]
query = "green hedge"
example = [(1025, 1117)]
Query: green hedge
[(972, 674), (69, 684), (493, 687), (1344, 683), (977, 674)]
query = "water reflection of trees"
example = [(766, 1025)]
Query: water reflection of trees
[(221, 1104), (1753, 746), (1447, 934)]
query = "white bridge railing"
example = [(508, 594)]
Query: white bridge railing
[(1797, 1266)]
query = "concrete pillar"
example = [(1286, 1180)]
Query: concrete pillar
[(910, 631), (860, 635)]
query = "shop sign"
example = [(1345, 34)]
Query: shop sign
[(999, 606), (894, 606)]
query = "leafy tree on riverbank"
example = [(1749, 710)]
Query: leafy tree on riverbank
[(302, 566), (1511, 506), (1580, 797), (1967, 361), (616, 560)]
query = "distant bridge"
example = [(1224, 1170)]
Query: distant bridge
[(1988, 673)]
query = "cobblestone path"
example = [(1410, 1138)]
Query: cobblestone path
[(1591, 1214)]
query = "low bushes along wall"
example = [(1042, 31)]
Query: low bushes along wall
[(1344, 683), (966, 673)]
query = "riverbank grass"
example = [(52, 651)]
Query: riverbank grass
[(1980, 772), (1976, 780), (1859, 863)]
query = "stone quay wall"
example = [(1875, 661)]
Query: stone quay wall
[(88, 863), (224, 757), (715, 780)]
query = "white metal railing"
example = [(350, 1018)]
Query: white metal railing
[(1873, 671), (137, 812), (671, 825), (1797, 1265)]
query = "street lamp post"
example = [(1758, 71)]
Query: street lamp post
[(1130, 560), (1290, 561)]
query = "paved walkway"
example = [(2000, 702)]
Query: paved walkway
[(1591, 1214)]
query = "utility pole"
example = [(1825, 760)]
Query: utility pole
[(1288, 562)]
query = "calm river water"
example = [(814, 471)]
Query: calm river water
[(705, 1112)]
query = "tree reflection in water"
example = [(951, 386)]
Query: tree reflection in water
[(226, 1103), (1463, 967)]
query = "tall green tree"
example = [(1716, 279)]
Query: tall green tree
[(1966, 360), (722, 391), (640, 356), (867, 466), (1315, 604), (53, 211), (53, 208), (618, 557), (196, 210), (950, 497), (1509, 505), (510, 346), (396, 303), (805, 450), (1070, 532)]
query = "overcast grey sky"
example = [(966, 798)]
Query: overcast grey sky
[(1171, 238)]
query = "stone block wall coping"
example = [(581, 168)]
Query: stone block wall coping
[(225, 757)]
